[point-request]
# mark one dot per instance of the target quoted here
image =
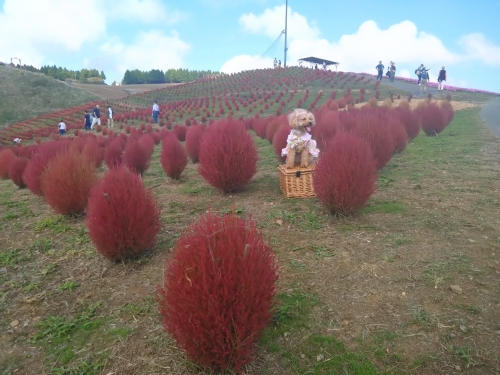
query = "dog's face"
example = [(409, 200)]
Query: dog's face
[(301, 119)]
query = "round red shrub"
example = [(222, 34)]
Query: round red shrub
[(345, 175), (228, 156), (113, 153), (16, 169), (173, 157), (123, 217), (280, 139), (434, 119), (67, 180), (218, 291), (411, 121), (180, 131), (193, 139), (136, 157), (6, 156)]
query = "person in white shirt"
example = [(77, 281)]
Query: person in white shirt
[(62, 127), (110, 117), (156, 112), (17, 141)]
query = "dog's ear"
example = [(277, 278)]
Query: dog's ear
[(292, 118)]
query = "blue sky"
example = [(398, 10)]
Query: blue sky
[(232, 35)]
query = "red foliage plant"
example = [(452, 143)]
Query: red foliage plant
[(136, 157), (273, 126), (147, 143), (33, 171), (345, 175), (173, 157), (228, 156), (193, 140), (123, 217), (113, 153), (410, 120), (218, 291), (279, 140), (16, 169), (369, 128), (180, 131), (326, 126), (93, 151), (434, 119), (6, 156), (67, 180)]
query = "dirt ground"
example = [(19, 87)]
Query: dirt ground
[(119, 92)]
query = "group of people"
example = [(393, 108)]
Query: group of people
[(93, 118), (391, 71), (277, 63), (422, 73)]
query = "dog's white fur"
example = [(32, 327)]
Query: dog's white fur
[(300, 148)]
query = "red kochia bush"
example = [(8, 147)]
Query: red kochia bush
[(193, 140), (173, 157), (6, 156), (136, 157), (113, 153), (279, 140), (228, 157), (16, 169), (218, 290), (345, 175), (123, 218), (67, 180), (434, 119)]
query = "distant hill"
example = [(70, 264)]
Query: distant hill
[(24, 95)]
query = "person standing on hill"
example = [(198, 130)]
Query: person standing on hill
[(110, 117), (96, 113), (275, 63), (156, 112), (62, 127), (441, 79), (424, 79), (418, 72), (86, 122), (279, 64), (380, 69), (393, 70)]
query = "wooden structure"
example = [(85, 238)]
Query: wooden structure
[(296, 182), (317, 61)]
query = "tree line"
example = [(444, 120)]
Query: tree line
[(137, 76), (63, 74)]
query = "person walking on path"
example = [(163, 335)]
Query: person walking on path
[(393, 70), (156, 112), (424, 79), (62, 127), (441, 79), (111, 123), (380, 70), (96, 113), (275, 63), (86, 122), (418, 72), (279, 63)]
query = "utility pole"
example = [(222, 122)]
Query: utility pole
[(286, 32)]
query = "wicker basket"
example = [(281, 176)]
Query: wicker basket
[(296, 182)]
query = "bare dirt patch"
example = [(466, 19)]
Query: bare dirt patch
[(119, 92)]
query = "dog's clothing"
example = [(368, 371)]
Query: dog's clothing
[(300, 141)]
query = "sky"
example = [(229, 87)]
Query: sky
[(235, 35)]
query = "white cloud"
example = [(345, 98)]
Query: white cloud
[(146, 11), (361, 51), (478, 47), (246, 62), (150, 50), (30, 28), (270, 23)]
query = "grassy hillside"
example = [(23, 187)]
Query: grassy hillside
[(25, 95)]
